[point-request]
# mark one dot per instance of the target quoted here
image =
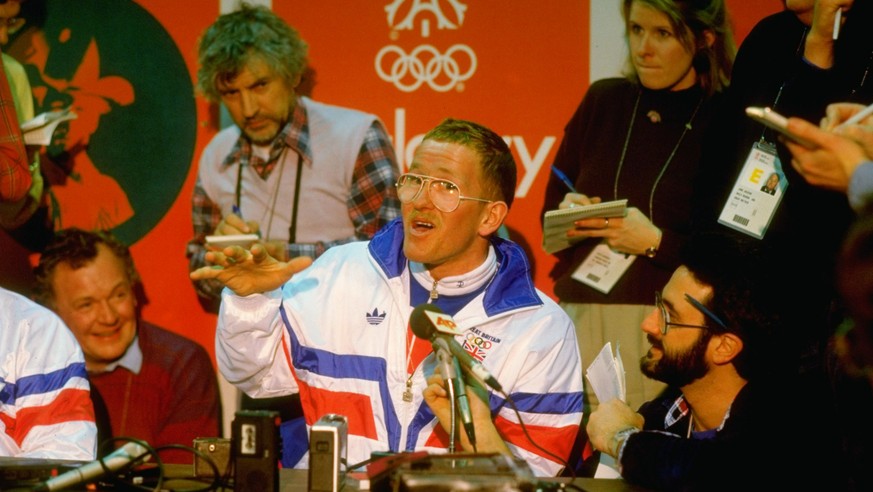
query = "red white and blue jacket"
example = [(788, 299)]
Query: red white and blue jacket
[(45, 404), (337, 333)]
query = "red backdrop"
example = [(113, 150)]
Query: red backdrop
[(531, 70)]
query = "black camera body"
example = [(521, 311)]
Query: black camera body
[(255, 439)]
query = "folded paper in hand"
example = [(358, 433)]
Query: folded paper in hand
[(556, 223), (39, 130), (606, 375)]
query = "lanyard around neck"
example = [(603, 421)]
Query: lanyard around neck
[(292, 229), (669, 158)]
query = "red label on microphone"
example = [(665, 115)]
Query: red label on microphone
[(443, 323)]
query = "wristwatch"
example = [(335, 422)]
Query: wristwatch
[(619, 438)]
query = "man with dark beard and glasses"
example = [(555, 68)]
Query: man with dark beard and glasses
[(712, 333)]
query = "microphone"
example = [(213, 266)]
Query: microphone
[(452, 373), (429, 322), (89, 471)]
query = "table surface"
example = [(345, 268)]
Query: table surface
[(298, 480)]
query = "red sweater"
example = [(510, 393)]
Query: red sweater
[(172, 400)]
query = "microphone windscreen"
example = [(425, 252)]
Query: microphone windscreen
[(421, 325)]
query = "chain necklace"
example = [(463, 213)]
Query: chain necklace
[(863, 76), (666, 164), (407, 393)]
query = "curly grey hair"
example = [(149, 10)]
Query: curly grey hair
[(252, 32)]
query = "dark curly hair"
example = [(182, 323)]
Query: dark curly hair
[(76, 248), (744, 295)]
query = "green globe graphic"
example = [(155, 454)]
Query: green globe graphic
[(121, 164)]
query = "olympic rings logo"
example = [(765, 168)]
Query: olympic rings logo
[(425, 64), (480, 342)]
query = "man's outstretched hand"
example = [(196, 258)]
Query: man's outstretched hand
[(249, 271)]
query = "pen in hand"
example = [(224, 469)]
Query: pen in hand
[(236, 211), (856, 118), (563, 177)]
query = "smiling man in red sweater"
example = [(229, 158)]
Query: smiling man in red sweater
[(158, 386)]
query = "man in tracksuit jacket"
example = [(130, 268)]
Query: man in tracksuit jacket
[(338, 331)]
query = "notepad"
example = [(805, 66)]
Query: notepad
[(556, 223), (40, 129), (606, 374)]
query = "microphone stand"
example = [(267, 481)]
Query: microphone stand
[(447, 371)]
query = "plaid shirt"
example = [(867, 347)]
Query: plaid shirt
[(372, 200), (15, 178), (680, 409)]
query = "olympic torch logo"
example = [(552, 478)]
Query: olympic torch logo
[(425, 64)]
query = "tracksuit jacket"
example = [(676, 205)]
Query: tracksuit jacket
[(337, 334)]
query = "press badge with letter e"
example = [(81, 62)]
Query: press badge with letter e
[(753, 201)]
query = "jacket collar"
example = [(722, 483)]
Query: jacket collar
[(512, 287)]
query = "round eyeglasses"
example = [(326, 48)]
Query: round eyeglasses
[(444, 194), (665, 316)]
